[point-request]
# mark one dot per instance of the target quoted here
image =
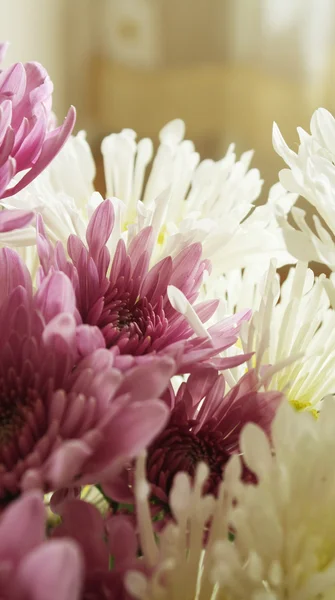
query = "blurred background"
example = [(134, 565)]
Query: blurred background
[(229, 68)]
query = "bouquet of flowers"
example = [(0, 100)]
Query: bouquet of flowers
[(167, 410)]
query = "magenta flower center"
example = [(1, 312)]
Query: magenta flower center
[(21, 421), (178, 448), (13, 410), (132, 324)]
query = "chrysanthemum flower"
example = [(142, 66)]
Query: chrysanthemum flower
[(291, 332), (311, 174), (184, 201), (141, 311), (191, 201), (283, 527), (27, 138), (65, 421), (31, 567), (204, 426)]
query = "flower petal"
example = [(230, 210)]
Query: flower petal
[(53, 571), (14, 219), (22, 527), (55, 296), (51, 147)]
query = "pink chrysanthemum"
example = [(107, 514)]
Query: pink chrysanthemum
[(204, 426), (65, 421), (27, 139), (30, 567), (133, 305)]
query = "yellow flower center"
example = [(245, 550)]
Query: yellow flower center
[(304, 405)]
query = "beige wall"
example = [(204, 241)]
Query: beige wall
[(227, 67), (37, 30)]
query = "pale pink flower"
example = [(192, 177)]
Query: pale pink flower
[(30, 567), (141, 311), (28, 140), (65, 421)]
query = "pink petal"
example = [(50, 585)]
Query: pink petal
[(119, 259), (13, 81), (144, 382), (6, 114), (156, 281), (89, 339), (22, 527), (75, 248), (214, 400), (14, 219), (228, 362), (230, 325), (51, 147), (205, 310), (102, 386), (53, 571), (99, 360), (21, 134), (32, 143), (122, 539), (184, 264), (130, 432), (7, 144), (82, 522), (66, 463), (13, 273), (200, 382), (100, 227), (55, 296), (141, 244), (39, 85), (7, 172), (60, 334), (62, 496), (44, 247), (118, 488)]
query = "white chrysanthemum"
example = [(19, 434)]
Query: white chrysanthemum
[(311, 174), (283, 527), (291, 332), (183, 199), (180, 568)]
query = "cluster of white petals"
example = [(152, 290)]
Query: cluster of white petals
[(291, 332), (311, 174), (184, 199)]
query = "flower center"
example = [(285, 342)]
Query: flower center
[(135, 326), (21, 415), (13, 411), (179, 448)]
